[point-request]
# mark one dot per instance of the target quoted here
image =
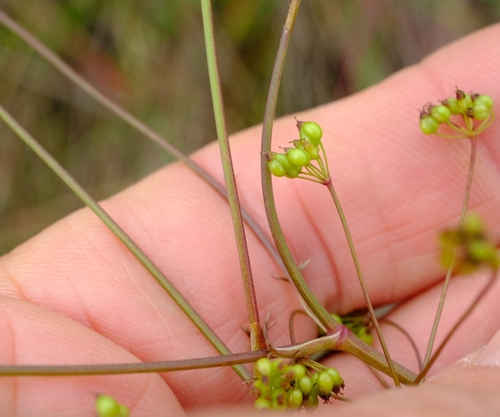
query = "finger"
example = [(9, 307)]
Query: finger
[(34, 335), (398, 187)]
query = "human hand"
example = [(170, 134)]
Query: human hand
[(74, 295)]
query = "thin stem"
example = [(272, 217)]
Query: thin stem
[(124, 238), (410, 339), (257, 340), (362, 283), (308, 298), (133, 368), (471, 307), (446, 283), (132, 121)]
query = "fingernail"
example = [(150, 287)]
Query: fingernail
[(490, 356)]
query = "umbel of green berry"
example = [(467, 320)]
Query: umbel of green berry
[(474, 249), (298, 160), (279, 386), (475, 111), (107, 406)]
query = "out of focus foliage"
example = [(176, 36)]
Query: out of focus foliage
[(149, 57)]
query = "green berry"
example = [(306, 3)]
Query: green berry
[(311, 402), (452, 104), (464, 100), (325, 384), (262, 367), (299, 371), (298, 157), (293, 172), (441, 113), (428, 124), (262, 403), (480, 111), (294, 398), (283, 160), (278, 399), (276, 168), (337, 380), (107, 406), (311, 131), (484, 99), (305, 385)]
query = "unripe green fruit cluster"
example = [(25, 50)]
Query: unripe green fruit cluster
[(475, 249), (477, 106), (279, 386), (107, 406), (305, 149)]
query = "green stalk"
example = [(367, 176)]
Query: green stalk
[(257, 340), (132, 121), (132, 368), (308, 297), (447, 279), (362, 283), (473, 305), (124, 238)]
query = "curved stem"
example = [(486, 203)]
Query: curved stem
[(311, 302), (362, 283), (446, 283)]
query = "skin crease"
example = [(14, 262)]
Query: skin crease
[(73, 294)]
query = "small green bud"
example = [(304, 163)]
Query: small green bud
[(428, 124), (298, 157), (441, 113), (278, 400)]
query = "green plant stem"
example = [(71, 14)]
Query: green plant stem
[(312, 304), (471, 307), (362, 283), (132, 121), (446, 283), (124, 238), (257, 340), (133, 368)]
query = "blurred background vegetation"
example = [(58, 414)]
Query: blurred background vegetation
[(148, 56)]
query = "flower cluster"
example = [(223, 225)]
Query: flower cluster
[(279, 386), (474, 247), (297, 161), (475, 111)]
